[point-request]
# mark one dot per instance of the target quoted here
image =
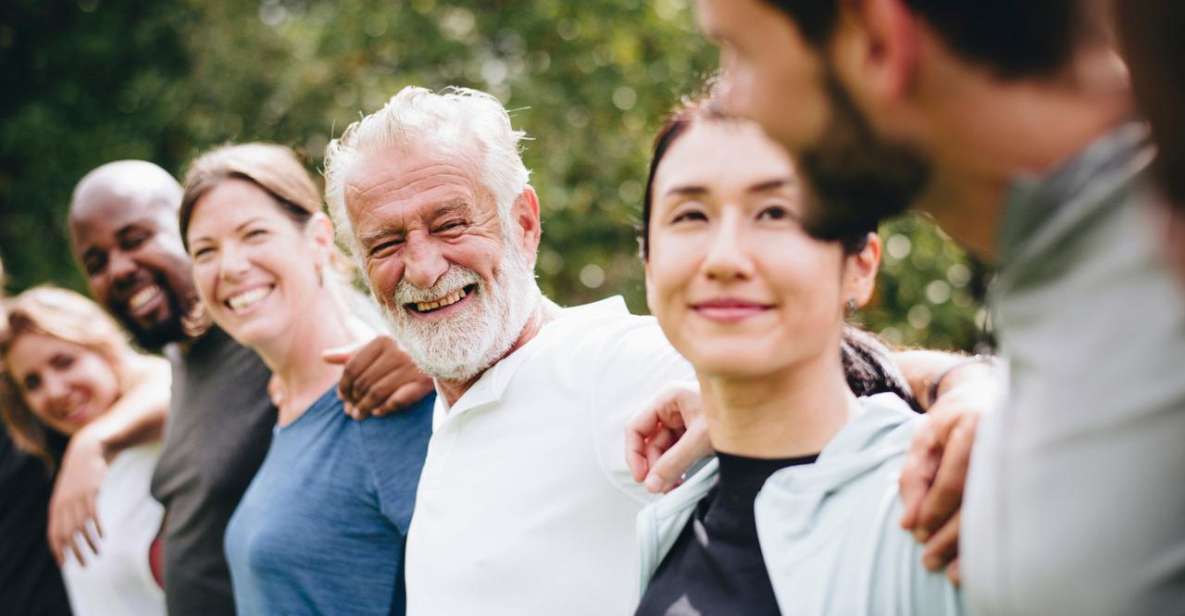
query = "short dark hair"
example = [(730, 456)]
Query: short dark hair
[(1014, 38)]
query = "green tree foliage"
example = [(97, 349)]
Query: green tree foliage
[(91, 81)]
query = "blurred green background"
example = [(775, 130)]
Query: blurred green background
[(89, 81)]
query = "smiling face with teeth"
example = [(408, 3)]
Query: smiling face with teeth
[(454, 277), (123, 231), (256, 269), (66, 385)]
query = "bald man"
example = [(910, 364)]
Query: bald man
[(124, 234)]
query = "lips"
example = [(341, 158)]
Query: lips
[(444, 302), (730, 310), (73, 409)]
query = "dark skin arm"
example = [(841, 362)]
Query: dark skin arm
[(378, 378)]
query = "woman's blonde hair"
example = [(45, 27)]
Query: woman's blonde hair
[(67, 316)]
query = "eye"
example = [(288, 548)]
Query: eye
[(61, 361), (689, 213), (31, 382), (451, 225), (94, 263), (256, 233), (133, 239), (776, 213), (385, 248), (201, 253)]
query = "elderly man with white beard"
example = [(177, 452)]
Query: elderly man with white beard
[(525, 504)]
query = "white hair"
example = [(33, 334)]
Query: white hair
[(468, 124)]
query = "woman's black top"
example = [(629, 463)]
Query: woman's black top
[(715, 566)]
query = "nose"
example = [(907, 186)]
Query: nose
[(423, 263), (56, 391), (121, 268), (727, 258), (232, 263)]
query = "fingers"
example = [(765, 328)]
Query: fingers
[(404, 397), (360, 362), (341, 355), (946, 494), (943, 547), (918, 471), (954, 573), (648, 432), (640, 431), (666, 472)]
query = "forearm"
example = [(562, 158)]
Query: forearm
[(139, 415), (931, 373)]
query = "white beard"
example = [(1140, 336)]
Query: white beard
[(466, 344)]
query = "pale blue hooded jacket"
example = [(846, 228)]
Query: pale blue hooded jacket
[(829, 531)]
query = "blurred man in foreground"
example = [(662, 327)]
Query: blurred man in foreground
[(1007, 121)]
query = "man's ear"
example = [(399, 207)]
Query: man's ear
[(860, 271), (526, 213), (875, 48)]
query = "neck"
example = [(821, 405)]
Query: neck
[(795, 412), (295, 358), (986, 133), (543, 313)]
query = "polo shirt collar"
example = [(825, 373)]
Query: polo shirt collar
[(492, 384)]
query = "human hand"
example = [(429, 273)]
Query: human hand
[(378, 378), (73, 516), (667, 437), (935, 470)]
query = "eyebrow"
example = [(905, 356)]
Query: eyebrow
[(768, 185), (763, 186), (689, 189)]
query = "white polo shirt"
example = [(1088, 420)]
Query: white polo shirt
[(525, 504)]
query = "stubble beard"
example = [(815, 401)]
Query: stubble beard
[(855, 178)]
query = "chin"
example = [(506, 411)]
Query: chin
[(731, 360)]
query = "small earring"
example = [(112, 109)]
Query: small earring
[(850, 307)]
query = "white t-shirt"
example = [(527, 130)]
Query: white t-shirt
[(525, 504), (118, 580)]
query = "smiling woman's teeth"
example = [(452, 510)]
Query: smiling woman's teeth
[(246, 299), (447, 300)]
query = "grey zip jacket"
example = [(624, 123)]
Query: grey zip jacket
[(829, 531)]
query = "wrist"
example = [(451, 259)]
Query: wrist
[(974, 368)]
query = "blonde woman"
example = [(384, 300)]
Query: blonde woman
[(322, 526), (66, 365)]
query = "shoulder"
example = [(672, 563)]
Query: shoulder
[(399, 428)]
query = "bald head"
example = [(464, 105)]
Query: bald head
[(130, 182), (123, 231)]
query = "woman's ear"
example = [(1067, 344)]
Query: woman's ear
[(860, 271), (319, 231)]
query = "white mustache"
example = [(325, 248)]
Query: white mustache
[(455, 279)]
